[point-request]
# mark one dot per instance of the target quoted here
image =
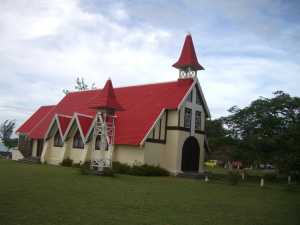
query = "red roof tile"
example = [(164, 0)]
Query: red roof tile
[(85, 123), (63, 122), (142, 105), (106, 98), (188, 57), (36, 117)]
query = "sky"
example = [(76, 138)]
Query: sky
[(248, 48)]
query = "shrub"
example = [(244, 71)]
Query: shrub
[(139, 170), (233, 177), (76, 165), (107, 172), (85, 169), (146, 170), (272, 177), (121, 168), (67, 162)]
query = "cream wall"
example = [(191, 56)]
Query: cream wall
[(153, 153), (54, 155), (34, 148), (128, 154)]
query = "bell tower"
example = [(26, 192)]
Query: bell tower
[(106, 104), (187, 63)]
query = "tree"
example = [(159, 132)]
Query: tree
[(223, 146), (81, 86), (268, 130), (6, 130)]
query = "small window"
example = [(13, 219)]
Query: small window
[(58, 140), (98, 142), (198, 120), (77, 140), (198, 98), (190, 97), (187, 117)]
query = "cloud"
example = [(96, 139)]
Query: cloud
[(248, 49)]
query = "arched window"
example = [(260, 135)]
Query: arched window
[(58, 140), (77, 140)]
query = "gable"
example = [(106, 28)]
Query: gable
[(199, 93)]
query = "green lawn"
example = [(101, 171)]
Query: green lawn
[(42, 194)]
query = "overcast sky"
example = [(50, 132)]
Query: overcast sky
[(248, 48)]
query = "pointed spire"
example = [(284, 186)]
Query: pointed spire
[(106, 99), (188, 57)]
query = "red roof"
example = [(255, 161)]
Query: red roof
[(188, 57), (35, 118), (142, 105), (85, 123), (64, 122), (106, 98)]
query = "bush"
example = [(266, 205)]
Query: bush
[(121, 168), (76, 165), (67, 162), (272, 177), (233, 177), (139, 170), (85, 168), (107, 172), (146, 170)]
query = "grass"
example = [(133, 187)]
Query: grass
[(49, 195)]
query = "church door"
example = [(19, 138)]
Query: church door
[(190, 155)]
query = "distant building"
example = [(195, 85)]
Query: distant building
[(160, 124)]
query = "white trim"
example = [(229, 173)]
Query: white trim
[(204, 101), (201, 93), (153, 125), (76, 120), (91, 128), (79, 127), (187, 94), (55, 119), (69, 127), (80, 114), (50, 127), (64, 115)]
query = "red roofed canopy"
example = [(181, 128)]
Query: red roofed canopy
[(188, 57), (106, 98)]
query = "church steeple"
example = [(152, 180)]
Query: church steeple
[(187, 63), (106, 100)]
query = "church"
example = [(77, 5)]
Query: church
[(159, 124)]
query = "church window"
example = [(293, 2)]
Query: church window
[(187, 117), (57, 140), (77, 140), (198, 120), (198, 98)]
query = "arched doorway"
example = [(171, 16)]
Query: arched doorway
[(190, 155)]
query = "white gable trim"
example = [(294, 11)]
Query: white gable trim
[(69, 127), (79, 126), (153, 125), (50, 126), (56, 120), (196, 82)]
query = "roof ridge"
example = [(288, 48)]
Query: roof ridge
[(136, 85)]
